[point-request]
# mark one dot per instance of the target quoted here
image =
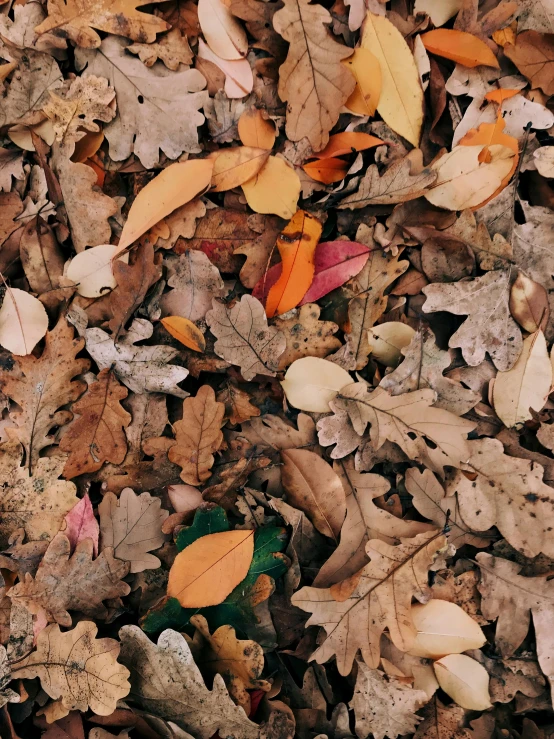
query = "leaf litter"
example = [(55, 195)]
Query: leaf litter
[(276, 369)]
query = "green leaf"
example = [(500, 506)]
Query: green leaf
[(205, 522)]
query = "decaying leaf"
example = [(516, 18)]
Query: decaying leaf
[(195, 282), (306, 335), (172, 49)]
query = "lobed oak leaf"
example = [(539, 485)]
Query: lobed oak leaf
[(42, 259), (172, 49), (198, 435), (306, 335), (442, 722), (272, 432), (72, 582), (11, 165), (380, 599), (238, 407), (533, 55), (195, 281), (131, 526), (78, 669)]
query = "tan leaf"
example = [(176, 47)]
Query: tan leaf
[(195, 282), (312, 80), (11, 165), (430, 499), (98, 435), (244, 338), (310, 383), (181, 223), (54, 372), (41, 257), (507, 493), (544, 161), (240, 662), (444, 628), (306, 335), (21, 507), (77, 19), (364, 521), (91, 271), (72, 582), (77, 668), (23, 321), (172, 49), (489, 326), (533, 55), (131, 525), (238, 407), (464, 680), (423, 366), (384, 706), (405, 179), (401, 101), (495, 253), (272, 432), (529, 303), (225, 35), (381, 599), (165, 680), (210, 568), (312, 486), (442, 722), (10, 207), (387, 341), (198, 435), (239, 79)]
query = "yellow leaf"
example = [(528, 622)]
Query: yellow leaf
[(460, 47), (444, 628), (234, 166), (176, 185), (256, 130), (310, 383), (275, 189), (210, 568), (225, 35), (186, 332), (297, 244), (401, 101), (464, 680), (366, 69)]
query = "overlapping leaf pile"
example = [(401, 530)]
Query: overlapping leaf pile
[(276, 431)]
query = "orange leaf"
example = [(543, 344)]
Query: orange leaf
[(347, 143), (208, 570), (498, 96), (459, 46), (255, 130), (327, 171), (174, 186), (489, 134), (366, 69), (296, 243), (186, 332), (234, 166)]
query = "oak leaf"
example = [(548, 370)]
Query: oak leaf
[(381, 599), (384, 706), (77, 668), (77, 19), (42, 259), (98, 435), (131, 526), (238, 407), (442, 722), (306, 335), (312, 80), (172, 49), (507, 493), (11, 165), (533, 55), (244, 338), (72, 582), (272, 432), (166, 682), (195, 281), (198, 435), (54, 372), (489, 326)]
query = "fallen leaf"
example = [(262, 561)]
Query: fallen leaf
[(387, 341), (327, 170), (185, 331), (72, 582), (310, 383), (225, 35), (489, 326), (91, 271), (195, 282), (442, 722), (401, 100), (238, 74), (41, 257), (80, 524), (275, 189), (444, 628), (381, 599), (11, 165), (236, 165), (366, 69), (464, 680), (439, 13), (459, 46), (206, 571), (140, 368), (500, 478), (77, 668), (238, 407), (312, 80), (244, 338), (131, 526), (97, 436), (23, 321), (172, 49), (256, 130), (185, 700), (544, 161), (197, 436), (533, 55), (306, 335)]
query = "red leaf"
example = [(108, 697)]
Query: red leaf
[(81, 524)]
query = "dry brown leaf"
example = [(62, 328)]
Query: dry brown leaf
[(195, 282), (77, 668), (507, 493), (312, 486), (244, 338), (198, 435), (533, 55), (42, 260), (306, 335), (76, 20), (364, 521), (75, 581), (54, 372), (442, 722), (98, 435), (381, 599), (238, 407), (131, 526), (172, 49), (10, 207), (312, 80), (272, 432)]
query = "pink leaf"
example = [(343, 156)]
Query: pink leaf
[(81, 524), (335, 263)]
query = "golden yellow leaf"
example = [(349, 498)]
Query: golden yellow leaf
[(256, 130), (210, 568), (366, 69), (275, 189), (234, 166), (186, 332)]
